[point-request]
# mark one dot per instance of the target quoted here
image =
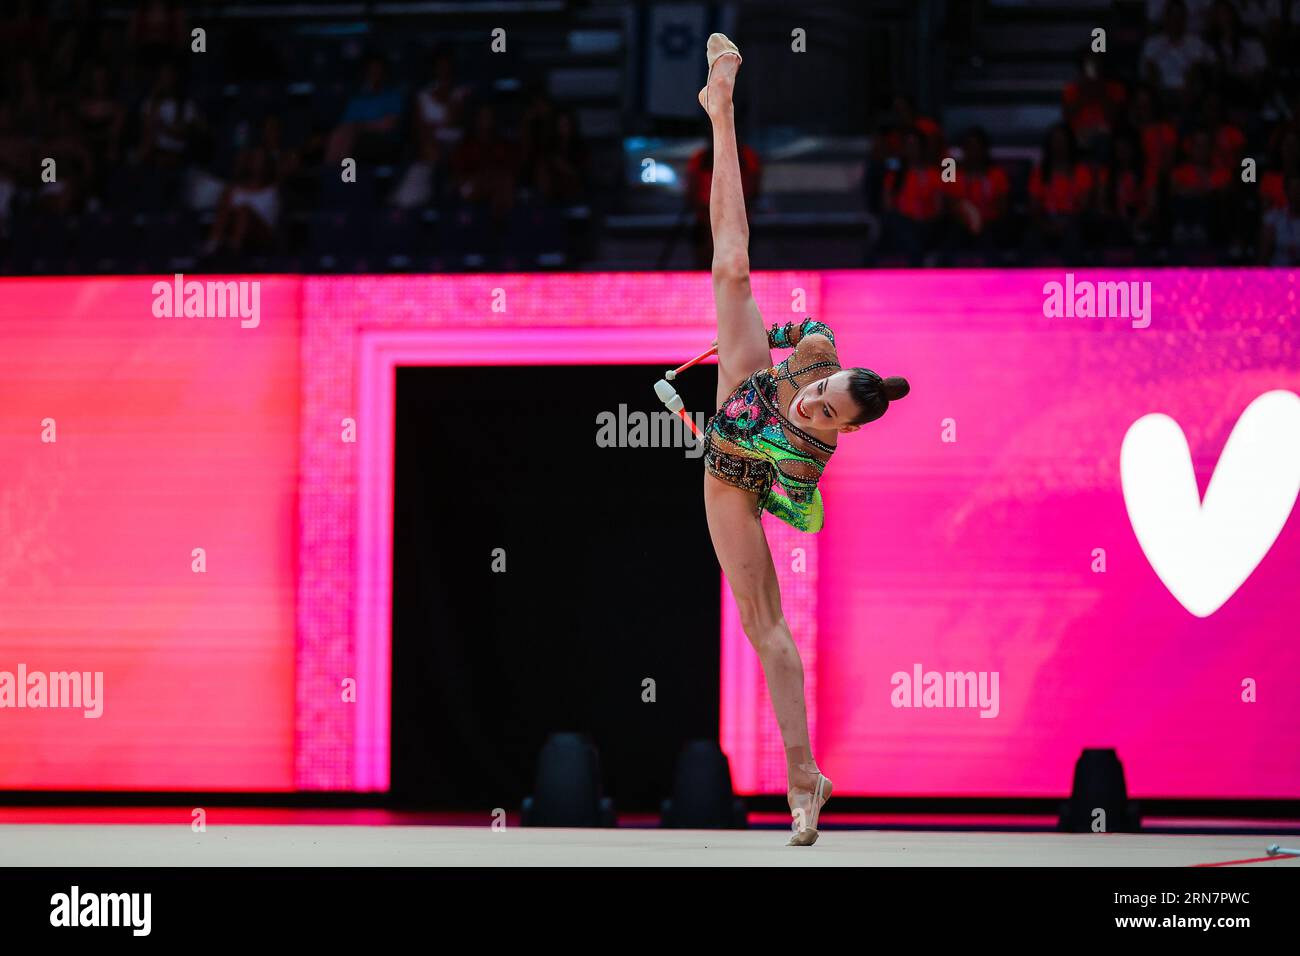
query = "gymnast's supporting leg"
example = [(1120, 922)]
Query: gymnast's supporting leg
[(742, 549)]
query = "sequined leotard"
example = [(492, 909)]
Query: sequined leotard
[(751, 444)]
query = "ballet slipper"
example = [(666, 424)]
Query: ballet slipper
[(718, 47), (804, 824)]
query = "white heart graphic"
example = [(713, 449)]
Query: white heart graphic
[(1204, 551)]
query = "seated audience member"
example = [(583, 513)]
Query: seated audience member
[(908, 117), (913, 202), (169, 121), (1125, 196), (1197, 193), (249, 210), (1227, 141), (439, 109), (484, 167), (1198, 174), (1239, 59), (1279, 240), (699, 187), (1060, 190), (1092, 104), (64, 142), (1198, 14), (1159, 138), (978, 197), (1284, 164), (558, 166), (101, 115), (1168, 55), (370, 125)]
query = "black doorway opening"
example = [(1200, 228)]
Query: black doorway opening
[(609, 579)]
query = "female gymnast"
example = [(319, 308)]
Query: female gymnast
[(769, 441)]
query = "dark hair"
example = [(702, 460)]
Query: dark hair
[(873, 393)]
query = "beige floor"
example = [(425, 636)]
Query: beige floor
[(161, 845)]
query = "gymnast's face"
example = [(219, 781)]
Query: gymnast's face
[(826, 405)]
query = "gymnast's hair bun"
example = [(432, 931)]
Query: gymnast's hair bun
[(894, 387)]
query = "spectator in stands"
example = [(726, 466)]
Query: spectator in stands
[(74, 164), (1198, 13), (1198, 173), (250, 209), (1284, 164), (978, 198), (1168, 55), (24, 92), (1279, 239), (484, 166), (369, 127), (280, 160), (913, 202), (101, 116), (699, 187), (16, 143), (1159, 138), (1239, 59), (157, 31), (1228, 142), (1060, 189), (558, 171), (169, 121), (1092, 104), (909, 118), (1198, 191), (1125, 197), (439, 110)]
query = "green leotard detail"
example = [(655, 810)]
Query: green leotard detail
[(749, 425)]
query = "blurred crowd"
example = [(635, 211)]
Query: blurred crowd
[(1144, 166), (148, 144), (120, 150)]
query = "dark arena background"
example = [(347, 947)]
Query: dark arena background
[(361, 559)]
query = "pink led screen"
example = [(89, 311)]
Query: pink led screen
[(148, 471), (1026, 520)]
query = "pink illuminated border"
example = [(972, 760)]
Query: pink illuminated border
[(356, 332)]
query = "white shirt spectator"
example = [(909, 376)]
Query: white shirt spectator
[(1286, 236), (1250, 59), (173, 116), (1173, 59), (1198, 13)]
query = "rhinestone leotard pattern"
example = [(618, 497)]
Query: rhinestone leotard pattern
[(748, 441)]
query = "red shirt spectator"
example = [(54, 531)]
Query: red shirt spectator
[(1065, 193), (1272, 189), (919, 196), (1192, 178), (699, 177), (1198, 174), (985, 190), (1092, 103)]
